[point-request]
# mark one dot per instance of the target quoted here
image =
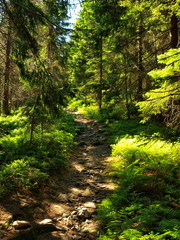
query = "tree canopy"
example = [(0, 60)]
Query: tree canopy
[(116, 49)]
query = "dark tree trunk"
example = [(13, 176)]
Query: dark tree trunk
[(130, 91), (174, 31), (5, 103), (50, 42), (140, 65), (32, 128), (126, 92), (100, 73)]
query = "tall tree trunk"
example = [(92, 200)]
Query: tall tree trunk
[(32, 123), (130, 91), (126, 93), (140, 64), (49, 44), (174, 31), (155, 52), (100, 73), (5, 103)]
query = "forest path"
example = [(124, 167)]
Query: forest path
[(72, 200), (85, 184)]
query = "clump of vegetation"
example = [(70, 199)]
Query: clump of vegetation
[(91, 111), (109, 112), (145, 204), (119, 126), (132, 128), (24, 164), (145, 167)]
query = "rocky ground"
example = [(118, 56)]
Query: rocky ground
[(66, 209)]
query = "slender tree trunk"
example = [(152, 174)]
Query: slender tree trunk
[(1, 95), (42, 130), (140, 64), (49, 45), (85, 99), (174, 31), (126, 88), (5, 103), (32, 128), (126, 92), (100, 73), (156, 51), (130, 93)]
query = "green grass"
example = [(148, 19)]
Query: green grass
[(25, 165)]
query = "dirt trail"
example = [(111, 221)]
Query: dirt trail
[(73, 198)]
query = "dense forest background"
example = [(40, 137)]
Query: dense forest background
[(119, 64), (124, 52), (121, 53)]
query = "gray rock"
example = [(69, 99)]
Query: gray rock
[(74, 213), (77, 237), (76, 227), (46, 221), (2, 223), (90, 205), (18, 224), (65, 215), (69, 221), (83, 213)]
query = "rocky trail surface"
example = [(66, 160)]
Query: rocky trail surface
[(67, 209)]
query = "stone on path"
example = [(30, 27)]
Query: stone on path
[(77, 237), (88, 192), (90, 205), (2, 223), (18, 224), (83, 213), (46, 221)]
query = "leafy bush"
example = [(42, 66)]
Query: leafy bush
[(25, 165), (131, 128), (20, 174), (114, 116), (91, 111), (146, 203), (74, 104), (12, 122), (109, 112)]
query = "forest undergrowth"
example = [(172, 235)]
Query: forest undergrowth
[(25, 165), (120, 60), (145, 166)]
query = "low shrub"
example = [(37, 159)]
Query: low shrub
[(20, 175), (109, 111), (25, 164), (91, 111), (145, 204), (74, 104), (132, 128)]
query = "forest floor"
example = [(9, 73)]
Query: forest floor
[(70, 200)]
